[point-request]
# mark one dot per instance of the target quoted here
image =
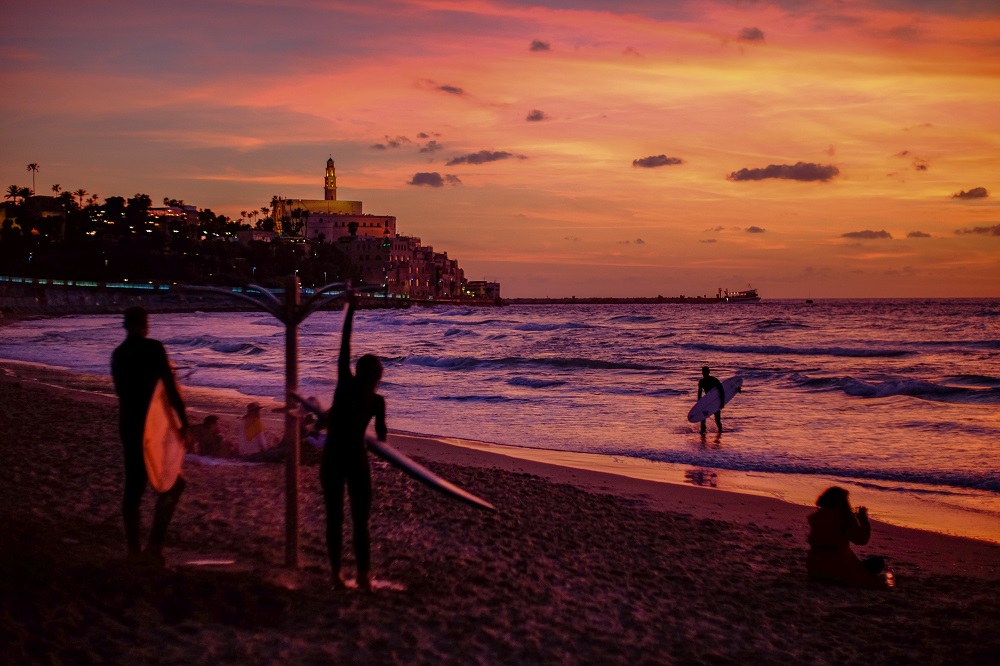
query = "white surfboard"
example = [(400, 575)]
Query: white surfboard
[(163, 447), (410, 466), (712, 402)]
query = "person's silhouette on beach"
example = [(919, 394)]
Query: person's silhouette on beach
[(832, 530), (137, 364), (706, 384), (345, 457)]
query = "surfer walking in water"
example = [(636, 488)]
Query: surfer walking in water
[(137, 364), (706, 384), (345, 458)]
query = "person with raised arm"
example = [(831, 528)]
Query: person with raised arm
[(345, 457)]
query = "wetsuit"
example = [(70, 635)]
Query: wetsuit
[(706, 384), (345, 459), (136, 365)]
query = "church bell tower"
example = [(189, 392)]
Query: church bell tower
[(330, 184)]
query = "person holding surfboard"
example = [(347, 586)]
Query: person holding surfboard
[(706, 384), (137, 366), (345, 456)]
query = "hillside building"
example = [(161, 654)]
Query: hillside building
[(400, 264)]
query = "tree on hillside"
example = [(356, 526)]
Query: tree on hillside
[(137, 211), (67, 201), (33, 168), (13, 192), (80, 193), (298, 222)]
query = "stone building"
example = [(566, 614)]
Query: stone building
[(399, 264)]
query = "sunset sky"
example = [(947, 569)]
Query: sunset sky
[(563, 147)]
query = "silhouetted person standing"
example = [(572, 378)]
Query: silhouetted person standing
[(345, 457), (136, 365), (708, 383)]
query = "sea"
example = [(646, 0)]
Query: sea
[(896, 400)]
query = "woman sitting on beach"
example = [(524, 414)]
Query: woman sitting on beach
[(345, 456), (832, 531)]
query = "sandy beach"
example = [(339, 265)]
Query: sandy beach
[(578, 566)]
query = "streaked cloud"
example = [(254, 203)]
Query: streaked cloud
[(434, 179), (392, 142), (535, 116), (982, 231), (751, 35), (539, 45), (974, 193), (868, 234), (801, 171), (755, 230), (654, 161), (918, 234), (483, 157)]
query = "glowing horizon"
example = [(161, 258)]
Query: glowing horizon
[(811, 150)]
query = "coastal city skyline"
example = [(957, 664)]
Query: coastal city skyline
[(811, 149)]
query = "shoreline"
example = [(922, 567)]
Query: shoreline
[(578, 566), (663, 486), (887, 507)]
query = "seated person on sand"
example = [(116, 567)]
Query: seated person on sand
[(206, 439), (252, 438), (832, 530)]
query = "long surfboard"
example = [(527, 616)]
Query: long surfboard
[(163, 447), (712, 402), (408, 465)]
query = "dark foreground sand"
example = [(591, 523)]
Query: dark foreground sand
[(576, 568)]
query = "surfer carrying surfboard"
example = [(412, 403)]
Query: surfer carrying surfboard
[(708, 383), (137, 365), (345, 457)]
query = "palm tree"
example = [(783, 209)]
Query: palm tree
[(13, 192), (80, 193), (33, 168), (56, 188)]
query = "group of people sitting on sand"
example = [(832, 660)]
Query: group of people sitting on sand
[(254, 443)]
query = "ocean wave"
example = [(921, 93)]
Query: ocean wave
[(569, 363), (451, 332), (196, 342), (480, 398), (666, 392), (531, 382), (634, 319), (988, 480), (243, 367), (920, 389), (551, 327), (770, 325), (976, 380), (858, 352), (242, 348)]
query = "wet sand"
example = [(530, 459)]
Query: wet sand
[(579, 566)]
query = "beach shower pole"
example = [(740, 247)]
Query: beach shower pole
[(291, 313), (292, 426)]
